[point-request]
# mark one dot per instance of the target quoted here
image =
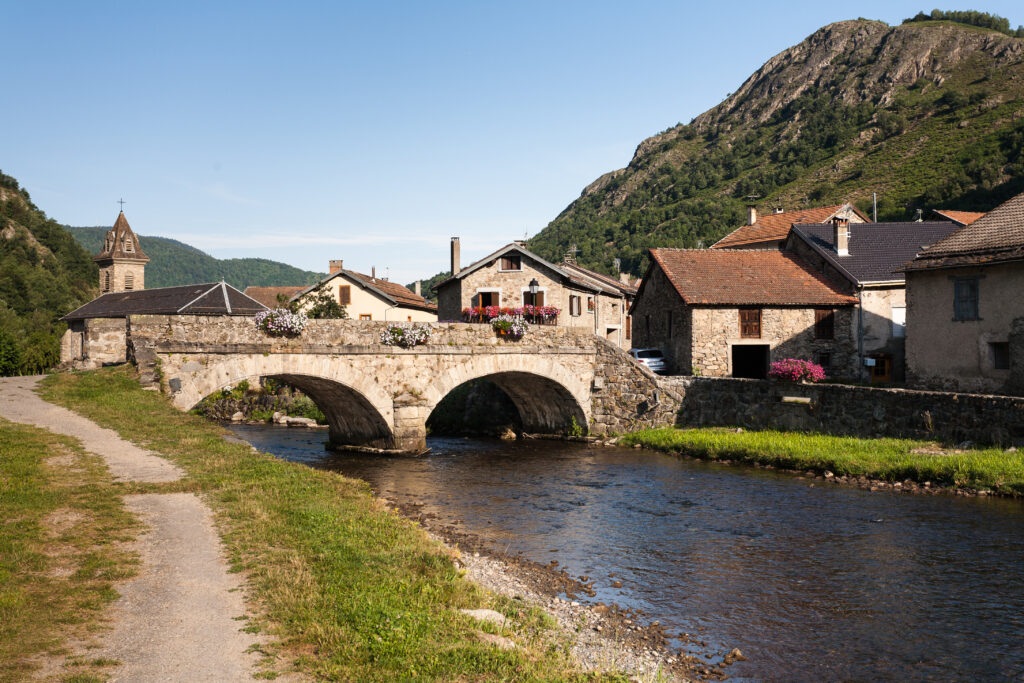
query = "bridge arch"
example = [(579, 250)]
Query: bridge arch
[(549, 397), (357, 409)]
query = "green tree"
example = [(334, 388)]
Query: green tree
[(323, 304), (10, 355)]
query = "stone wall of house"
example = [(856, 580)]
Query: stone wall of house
[(661, 320), (789, 333), (120, 274), (94, 342), (1015, 385), (876, 318), (853, 410)]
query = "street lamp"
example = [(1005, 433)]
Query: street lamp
[(534, 286)]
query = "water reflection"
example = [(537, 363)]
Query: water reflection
[(810, 582)]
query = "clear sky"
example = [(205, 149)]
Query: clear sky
[(370, 132)]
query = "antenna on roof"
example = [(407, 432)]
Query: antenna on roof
[(753, 197), (617, 264)]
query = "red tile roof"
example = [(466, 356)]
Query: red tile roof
[(775, 226), (739, 277), (961, 217), (268, 295), (402, 295)]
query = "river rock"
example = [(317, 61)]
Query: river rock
[(277, 417), (734, 656), (488, 615), (238, 416), (299, 421), (500, 642)]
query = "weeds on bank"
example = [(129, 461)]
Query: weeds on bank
[(350, 589), (886, 459), (62, 526)]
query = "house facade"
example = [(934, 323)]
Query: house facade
[(866, 260), (368, 297), (965, 304), (771, 230), (513, 277), (725, 313)]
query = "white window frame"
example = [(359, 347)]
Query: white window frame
[(542, 290)]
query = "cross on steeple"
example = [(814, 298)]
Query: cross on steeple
[(121, 202)]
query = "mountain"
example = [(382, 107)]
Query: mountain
[(176, 263), (927, 114), (44, 273)]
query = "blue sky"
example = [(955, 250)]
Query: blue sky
[(370, 132)]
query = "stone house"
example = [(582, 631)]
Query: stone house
[(368, 297), (867, 259), (508, 277), (730, 313), (770, 231), (965, 307)]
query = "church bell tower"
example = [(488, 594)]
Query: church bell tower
[(122, 262)]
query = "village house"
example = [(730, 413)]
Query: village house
[(965, 307), (368, 297), (513, 277), (961, 218), (730, 313), (97, 331), (866, 260), (770, 231)]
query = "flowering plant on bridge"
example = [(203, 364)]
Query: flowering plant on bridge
[(796, 370), (512, 326), (280, 322), (405, 335)]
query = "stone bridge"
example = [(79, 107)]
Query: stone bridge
[(380, 396)]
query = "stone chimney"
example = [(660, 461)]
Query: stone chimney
[(841, 235), (778, 209), (751, 215), (624, 278), (334, 266), (416, 288), (373, 272), (455, 256)]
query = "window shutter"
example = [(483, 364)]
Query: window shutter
[(824, 323), (345, 295), (750, 323), (629, 327), (538, 300)]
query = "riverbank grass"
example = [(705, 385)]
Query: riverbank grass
[(63, 525), (348, 589), (885, 459)]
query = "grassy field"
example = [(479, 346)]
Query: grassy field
[(63, 524), (349, 589), (886, 459)]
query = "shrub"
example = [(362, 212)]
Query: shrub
[(281, 322), (796, 370)]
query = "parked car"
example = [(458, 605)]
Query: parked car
[(653, 359)]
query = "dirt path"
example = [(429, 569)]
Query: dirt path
[(175, 620)]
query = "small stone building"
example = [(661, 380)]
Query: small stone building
[(866, 260), (506, 277), (368, 297), (770, 230), (122, 262), (730, 313), (965, 307)]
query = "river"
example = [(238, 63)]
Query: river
[(810, 581)]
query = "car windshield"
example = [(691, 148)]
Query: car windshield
[(650, 353)]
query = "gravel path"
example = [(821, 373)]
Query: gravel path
[(175, 620)]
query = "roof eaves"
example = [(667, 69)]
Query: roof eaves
[(476, 265), (824, 253)]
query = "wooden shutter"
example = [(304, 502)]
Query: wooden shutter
[(750, 323), (538, 299), (345, 295), (510, 263), (824, 323), (629, 327)]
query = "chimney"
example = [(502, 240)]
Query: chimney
[(751, 215), (778, 210), (455, 256), (416, 288), (373, 272), (624, 278), (333, 266), (841, 235)]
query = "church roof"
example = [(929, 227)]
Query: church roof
[(216, 298), (121, 243)]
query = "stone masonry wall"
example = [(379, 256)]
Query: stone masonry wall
[(94, 342)]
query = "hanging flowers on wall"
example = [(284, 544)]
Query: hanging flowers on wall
[(280, 322), (510, 326), (405, 335)]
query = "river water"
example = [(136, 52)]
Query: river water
[(810, 582)]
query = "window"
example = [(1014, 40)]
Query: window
[(1000, 352), (899, 322), (128, 244), (408, 318), (106, 281), (129, 281), (824, 359), (750, 323), (629, 327), (488, 298), (533, 299), (345, 295), (511, 262), (824, 323), (965, 298), (590, 304), (365, 316), (574, 305)]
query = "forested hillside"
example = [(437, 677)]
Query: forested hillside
[(44, 273), (928, 114), (176, 263)]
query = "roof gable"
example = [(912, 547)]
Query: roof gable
[(391, 292), (121, 243), (775, 226), (959, 217)]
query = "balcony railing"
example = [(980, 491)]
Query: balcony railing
[(535, 315)]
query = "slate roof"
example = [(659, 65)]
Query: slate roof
[(217, 298), (607, 280), (268, 295), (392, 292), (775, 226), (878, 251), (115, 242), (997, 236), (961, 217), (740, 277)]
